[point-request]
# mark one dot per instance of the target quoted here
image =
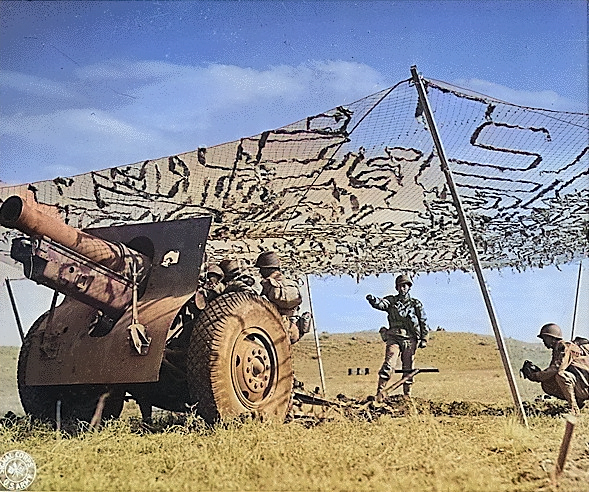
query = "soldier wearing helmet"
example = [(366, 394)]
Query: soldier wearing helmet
[(235, 280), (567, 376), (213, 284), (407, 330), (284, 294)]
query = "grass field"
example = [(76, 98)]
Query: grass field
[(443, 440)]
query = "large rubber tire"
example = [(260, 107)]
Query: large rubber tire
[(78, 402), (239, 360)]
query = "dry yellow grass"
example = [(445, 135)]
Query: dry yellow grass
[(413, 453), (416, 452)]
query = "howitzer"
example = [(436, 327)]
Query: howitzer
[(94, 271), (129, 325)]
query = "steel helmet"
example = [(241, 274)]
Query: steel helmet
[(403, 279), (229, 266), (551, 330), (215, 270), (268, 259)]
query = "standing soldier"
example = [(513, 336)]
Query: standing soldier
[(284, 294), (567, 376), (407, 330)]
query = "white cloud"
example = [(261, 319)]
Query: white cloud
[(49, 128), (539, 99), (149, 109), (31, 85), (125, 70), (145, 110)]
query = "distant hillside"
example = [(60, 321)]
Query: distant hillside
[(470, 367), (9, 399), (445, 350)]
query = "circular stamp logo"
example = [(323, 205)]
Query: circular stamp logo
[(17, 470)]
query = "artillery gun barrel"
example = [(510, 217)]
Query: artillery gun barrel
[(15, 213)]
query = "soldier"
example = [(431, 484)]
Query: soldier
[(583, 344), (567, 376), (284, 294), (235, 280), (407, 330), (214, 285)]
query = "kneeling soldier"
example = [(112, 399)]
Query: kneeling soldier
[(567, 376)]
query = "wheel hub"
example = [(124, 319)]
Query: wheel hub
[(254, 367)]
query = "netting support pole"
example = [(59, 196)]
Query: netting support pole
[(576, 300), (470, 244), (316, 335), (15, 310)]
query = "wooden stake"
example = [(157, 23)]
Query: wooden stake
[(316, 335), (564, 447), (99, 409)]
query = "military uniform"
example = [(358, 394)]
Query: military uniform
[(583, 344), (567, 376), (236, 281), (213, 289), (241, 283), (407, 328), (286, 296)]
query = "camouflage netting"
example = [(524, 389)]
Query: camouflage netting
[(358, 190)]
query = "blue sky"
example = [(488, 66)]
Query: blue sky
[(90, 85)]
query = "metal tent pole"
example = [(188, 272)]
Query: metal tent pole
[(470, 243), (576, 300), (317, 348), (15, 310)]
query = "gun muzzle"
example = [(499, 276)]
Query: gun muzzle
[(100, 273), (15, 213)]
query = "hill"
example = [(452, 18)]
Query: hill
[(470, 367)]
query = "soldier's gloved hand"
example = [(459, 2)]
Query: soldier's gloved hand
[(383, 333), (247, 280), (370, 298), (528, 369), (422, 343)]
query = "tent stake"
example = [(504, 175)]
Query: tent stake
[(470, 243), (317, 348)]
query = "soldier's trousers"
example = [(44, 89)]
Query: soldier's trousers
[(395, 349), (568, 386), (291, 328)]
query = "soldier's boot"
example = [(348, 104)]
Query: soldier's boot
[(381, 384), (407, 389)]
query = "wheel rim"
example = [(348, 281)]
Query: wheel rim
[(254, 368)]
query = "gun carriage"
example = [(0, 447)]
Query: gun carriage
[(129, 325)]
